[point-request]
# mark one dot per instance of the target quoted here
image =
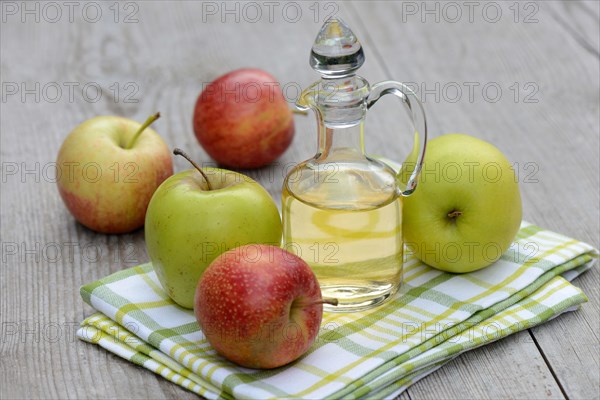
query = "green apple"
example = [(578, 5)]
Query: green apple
[(196, 215), (108, 169), (466, 209)]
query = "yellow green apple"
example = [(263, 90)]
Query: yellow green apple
[(466, 209), (196, 215)]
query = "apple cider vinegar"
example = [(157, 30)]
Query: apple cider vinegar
[(341, 209), (351, 236)]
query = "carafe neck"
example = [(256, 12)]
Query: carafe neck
[(341, 142), (340, 105)]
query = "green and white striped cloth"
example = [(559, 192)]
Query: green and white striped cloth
[(378, 353)]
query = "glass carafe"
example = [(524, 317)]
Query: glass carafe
[(342, 210)]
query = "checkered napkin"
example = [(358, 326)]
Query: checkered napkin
[(378, 353)]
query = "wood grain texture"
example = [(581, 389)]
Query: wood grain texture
[(570, 344), (508, 369), (545, 138), (170, 53)]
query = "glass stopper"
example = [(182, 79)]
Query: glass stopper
[(336, 52)]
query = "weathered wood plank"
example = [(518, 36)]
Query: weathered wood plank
[(490, 373), (542, 137), (167, 56), (570, 344)]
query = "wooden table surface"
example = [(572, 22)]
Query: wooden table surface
[(524, 76)]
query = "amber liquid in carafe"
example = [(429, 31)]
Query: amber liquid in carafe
[(345, 221), (342, 210)]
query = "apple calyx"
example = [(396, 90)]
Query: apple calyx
[(146, 124), (178, 152), (454, 214)]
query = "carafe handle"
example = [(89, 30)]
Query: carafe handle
[(417, 114)]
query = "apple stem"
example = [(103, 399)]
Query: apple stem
[(179, 152), (146, 124), (454, 214), (301, 112), (327, 300)]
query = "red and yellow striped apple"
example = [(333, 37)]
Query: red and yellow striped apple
[(259, 306), (109, 167), (242, 119)]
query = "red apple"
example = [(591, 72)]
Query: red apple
[(242, 119), (259, 306)]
